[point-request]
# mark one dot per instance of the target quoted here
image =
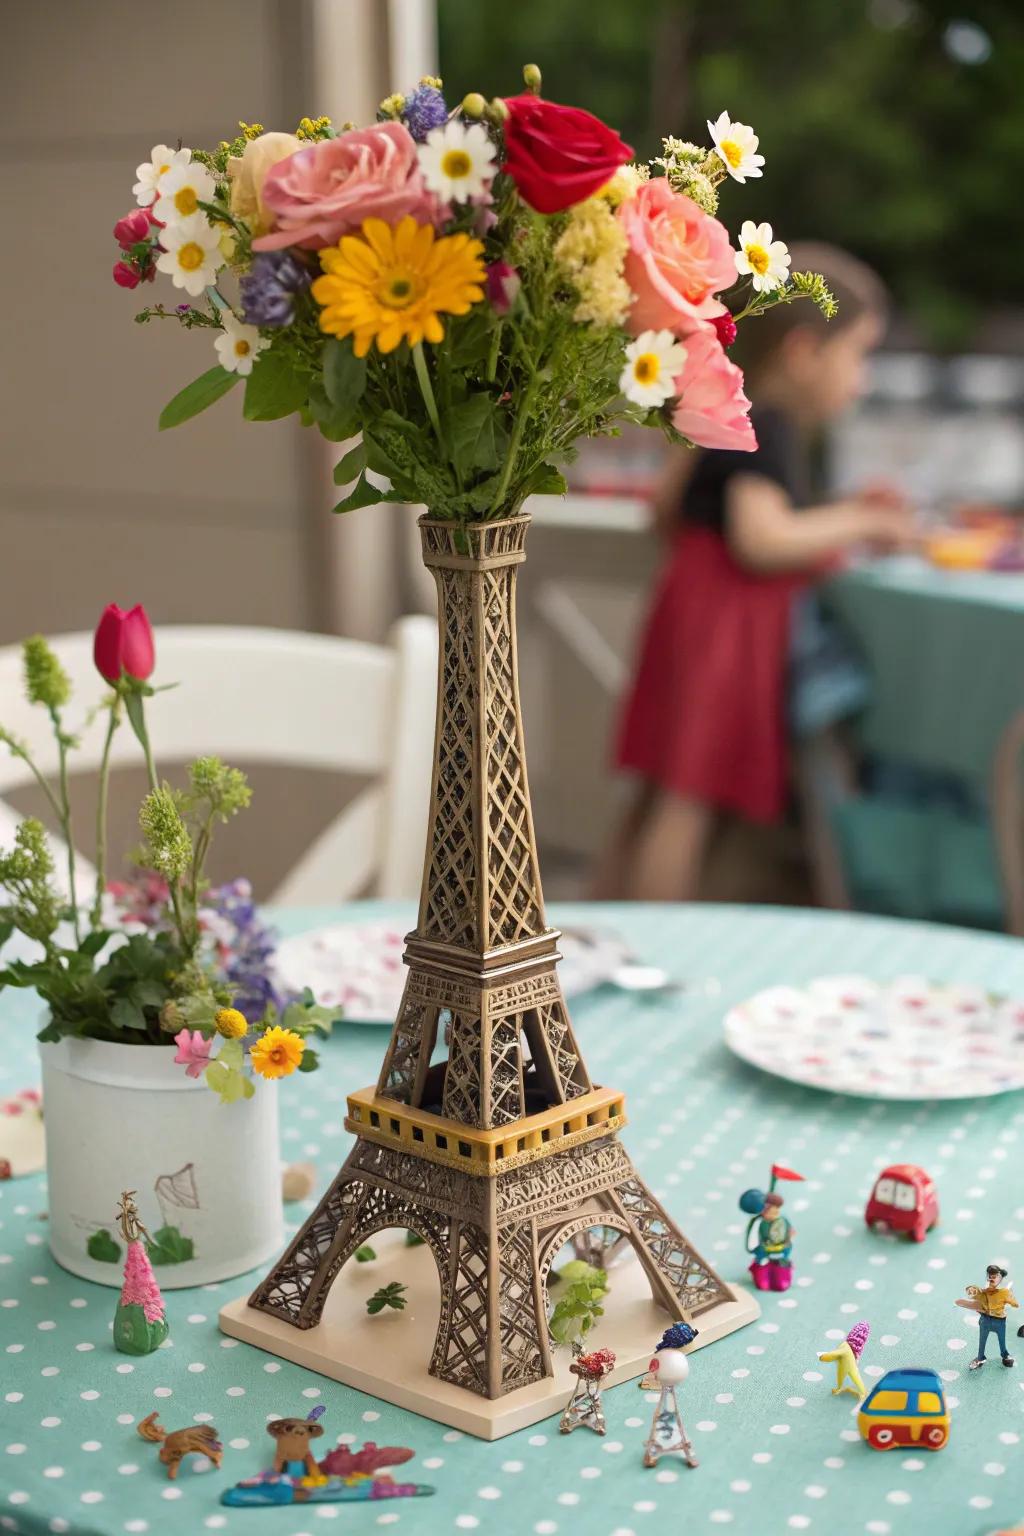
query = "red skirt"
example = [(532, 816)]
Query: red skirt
[(706, 715)]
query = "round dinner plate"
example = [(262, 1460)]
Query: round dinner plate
[(906, 1039), (358, 967)]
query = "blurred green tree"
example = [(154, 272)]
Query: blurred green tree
[(894, 128)]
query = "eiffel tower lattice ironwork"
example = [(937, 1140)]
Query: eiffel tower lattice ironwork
[(499, 1154)]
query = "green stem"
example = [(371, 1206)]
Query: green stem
[(101, 812), (64, 812), (492, 356), (514, 441), (427, 391)]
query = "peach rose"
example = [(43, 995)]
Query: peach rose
[(711, 408), (248, 171), (678, 258), (329, 188)]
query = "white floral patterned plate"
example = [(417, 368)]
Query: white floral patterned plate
[(358, 966), (906, 1039)]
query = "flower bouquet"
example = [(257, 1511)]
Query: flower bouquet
[(467, 290), (157, 962)]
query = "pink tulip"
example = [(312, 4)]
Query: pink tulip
[(193, 1052), (123, 644)]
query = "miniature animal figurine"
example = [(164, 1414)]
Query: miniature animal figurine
[(343, 1461), (668, 1369), (846, 1355), (991, 1302), (196, 1440), (771, 1268), (293, 1454)]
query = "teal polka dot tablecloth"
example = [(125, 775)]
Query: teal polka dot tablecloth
[(777, 1452)]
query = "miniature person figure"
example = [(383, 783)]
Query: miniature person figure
[(668, 1369), (139, 1322), (293, 1454), (991, 1303), (846, 1355), (771, 1268), (584, 1406)]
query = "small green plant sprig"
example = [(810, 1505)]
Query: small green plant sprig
[(392, 1295), (579, 1304)]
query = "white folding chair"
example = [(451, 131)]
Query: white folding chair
[(273, 696)]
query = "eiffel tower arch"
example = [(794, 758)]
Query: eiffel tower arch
[(500, 1152)]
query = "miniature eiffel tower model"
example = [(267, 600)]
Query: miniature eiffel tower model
[(499, 1154)]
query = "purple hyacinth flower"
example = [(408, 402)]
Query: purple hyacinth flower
[(268, 289), (424, 110)]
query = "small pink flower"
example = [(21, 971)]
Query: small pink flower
[(679, 257), (328, 189), (135, 226), (712, 409), (193, 1052), (125, 276), (503, 285)]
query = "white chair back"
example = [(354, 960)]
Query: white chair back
[(275, 696)]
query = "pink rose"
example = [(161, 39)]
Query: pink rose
[(711, 408), (329, 188), (678, 258)]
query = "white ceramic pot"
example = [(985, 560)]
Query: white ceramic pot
[(207, 1174)]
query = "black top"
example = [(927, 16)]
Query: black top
[(780, 455)]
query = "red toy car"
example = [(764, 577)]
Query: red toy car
[(904, 1198)]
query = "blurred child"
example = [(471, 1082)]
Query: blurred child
[(704, 725)]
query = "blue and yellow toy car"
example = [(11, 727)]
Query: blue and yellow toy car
[(907, 1407)]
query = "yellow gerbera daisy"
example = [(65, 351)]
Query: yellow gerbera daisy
[(277, 1052), (385, 285)]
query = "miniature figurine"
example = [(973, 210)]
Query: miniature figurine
[(905, 1408), (904, 1200), (668, 1369), (771, 1268), (343, 1476), (139, 1322), (846, 1356), (584, 1406), (991, 1301), (196, 1440)]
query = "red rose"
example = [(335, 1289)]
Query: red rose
[(123, 644), (557, 156)]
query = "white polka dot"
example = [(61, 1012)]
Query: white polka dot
[(488, 1493), (706, 1426), (980, 1501), (545, 1527), (124, 1369), (78, 1301), (370, 1416), (196, 1317), (799, 1522), (755, 1349), (46, 1326), (740, 1485), (17, 1497), (778, 1429), (165, 1391), (92, 1445), (768, 1327), (567, 1498), (205, 1418), (1009, 1437), (433, 1462), (812, 1376), (761, 1457), (85, 1348), (17, 1449), (58, 1524), (849, 1434), (466, 1522), (898, 1496), (878, 1527), (612, 1447), (666, 1477), (534, 1439), (311, 1391), (740, 1374), (241, 1444), (93, 1497), (50, 1370), (136, 1525), (956, 1343), (994, 1468), (795, 1402), (723, 1397), (229, 1343), (833, 1463), (924, 1288), (912, 1464), (721, 1516), (633, 1422), (236, 1391), (13, 1397), (170, 1493), (128, 1468), (272, 1366), (53, 1471), (126, 1418), (88, 1397), (15, 1349), (815, 1491), (905, 1315), (217, 1522)]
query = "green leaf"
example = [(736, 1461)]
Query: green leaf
[(102, 1247), (231, 1054), (344, 375), (413, 1239), (273, 388), (135, 710), (125, 1014), (168, 1246), (476, 434), (310, 1061), (365, 1254), (545, 480), (351, 465), (197, 396), (363, 494), (7, 926), (90, 945), (334, 425), (229, 1082)]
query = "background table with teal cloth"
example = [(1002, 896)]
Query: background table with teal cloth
[(777, 1452)]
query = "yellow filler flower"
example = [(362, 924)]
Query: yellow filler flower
[(387, 285), (231, 1023), (277, 1052)]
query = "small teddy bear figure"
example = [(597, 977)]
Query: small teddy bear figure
[(293, 1454)]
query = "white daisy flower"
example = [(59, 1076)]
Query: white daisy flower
[(151, 174), (653, 362), (736, 144), (457, 161), (192, 256), (182, 189), (765, 260), (238, 345)]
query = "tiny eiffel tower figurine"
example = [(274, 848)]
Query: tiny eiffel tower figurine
[(668, 1370), (584, 1406), (502, 1153)]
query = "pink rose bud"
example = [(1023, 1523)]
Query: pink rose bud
[(135, 226), (725, 329), (125, 276), (123, 644), (503, 284)]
